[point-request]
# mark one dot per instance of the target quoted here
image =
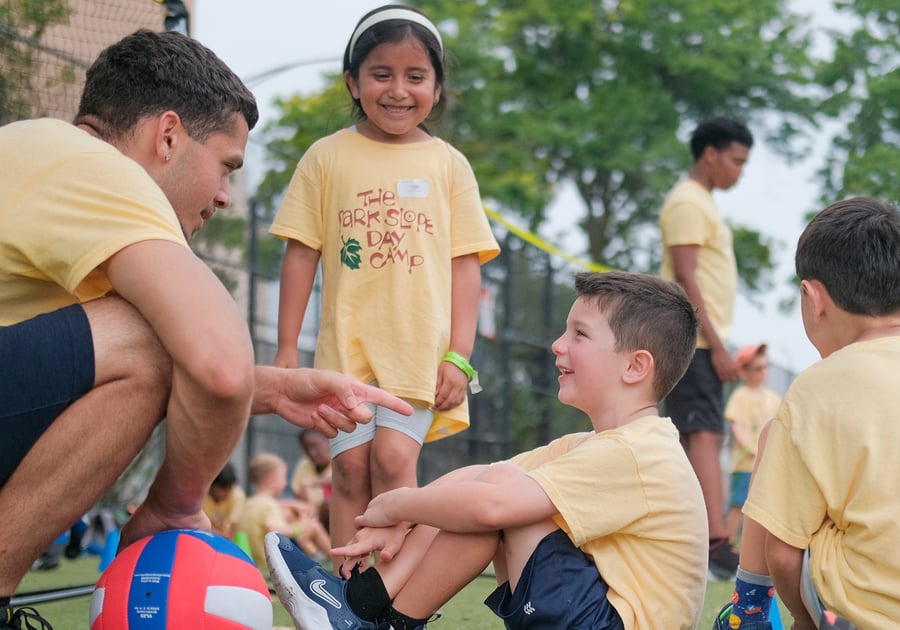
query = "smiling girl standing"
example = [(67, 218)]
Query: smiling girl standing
[(395, 217)]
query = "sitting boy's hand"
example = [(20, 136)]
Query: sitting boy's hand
[(323, 400), (387, 541)]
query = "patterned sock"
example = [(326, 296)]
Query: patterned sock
[(752, 597)]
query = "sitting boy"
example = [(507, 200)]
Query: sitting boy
[(604, 529), (224, 502), (265, 511), (828, 539)]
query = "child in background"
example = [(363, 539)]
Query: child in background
[(822, 518), (395, 217), (266, 512), (750, 406), (224, 502), (311, 480), (604, 529)]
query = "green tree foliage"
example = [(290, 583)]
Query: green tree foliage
[(304, 120), (863, 83), (22, 24), (602, 95)]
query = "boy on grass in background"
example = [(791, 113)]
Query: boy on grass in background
[(265, 511), (822, 519), (604, 529), (224, 502)]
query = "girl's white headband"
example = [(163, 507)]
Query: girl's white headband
[(394, 14)]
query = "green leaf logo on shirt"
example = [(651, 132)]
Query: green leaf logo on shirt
[(350, 253)]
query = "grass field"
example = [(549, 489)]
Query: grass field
[(464, 612)]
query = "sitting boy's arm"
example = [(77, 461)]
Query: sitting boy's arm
[(492, 498), (388, 536), (785, 564)]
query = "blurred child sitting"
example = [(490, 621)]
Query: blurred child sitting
[(750, 406), (266, 512), (311, 481), (224, 502)]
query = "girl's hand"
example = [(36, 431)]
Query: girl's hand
[(286, 358), (451, 387)]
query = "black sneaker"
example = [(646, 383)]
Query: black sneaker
[(723, 560), (47, 560), (73, 547), (22, 619)]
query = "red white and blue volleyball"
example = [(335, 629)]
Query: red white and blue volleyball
[(182, 578)]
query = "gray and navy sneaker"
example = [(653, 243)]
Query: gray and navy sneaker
[(314, 598), (830, 621)]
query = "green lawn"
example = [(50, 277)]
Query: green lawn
[(465, 612)]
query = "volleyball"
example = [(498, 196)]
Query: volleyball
[(181, 579)]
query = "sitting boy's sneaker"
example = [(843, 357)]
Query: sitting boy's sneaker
[(723, 560), (314, 598), (726, 621), (830, 621), (22, 619)]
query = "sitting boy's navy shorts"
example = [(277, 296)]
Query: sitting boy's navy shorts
[(47, 364), (698, 399), (560, 587)]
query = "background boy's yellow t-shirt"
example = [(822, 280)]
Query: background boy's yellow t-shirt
[(827, 479)]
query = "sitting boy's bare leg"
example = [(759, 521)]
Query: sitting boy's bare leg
[(434, 566), (519, 545), (90, 443), (449, 563)]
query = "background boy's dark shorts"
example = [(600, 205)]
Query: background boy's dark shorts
[(697, 402), (740, 488), (560, 587), (47, 364)]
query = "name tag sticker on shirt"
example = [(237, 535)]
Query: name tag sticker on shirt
[(415, 188)]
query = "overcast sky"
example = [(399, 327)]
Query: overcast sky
[(256, 37)]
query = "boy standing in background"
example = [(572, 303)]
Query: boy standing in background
[(750, 406)]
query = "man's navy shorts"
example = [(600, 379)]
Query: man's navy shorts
[(697, 402), (47, 364), (560, 587)]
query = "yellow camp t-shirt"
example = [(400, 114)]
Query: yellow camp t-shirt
[(387, 219), (70, 201), (827, 479), (629, 498)]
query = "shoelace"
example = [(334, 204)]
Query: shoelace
[(22, 618)]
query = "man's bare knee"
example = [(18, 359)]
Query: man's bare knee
[(125, 346)]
